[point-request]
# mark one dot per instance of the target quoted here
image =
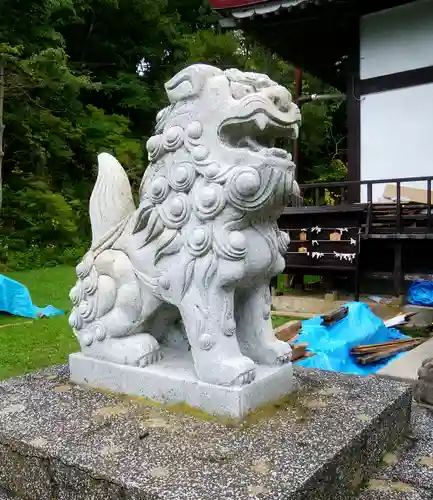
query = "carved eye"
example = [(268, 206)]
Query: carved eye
[(240, 90)]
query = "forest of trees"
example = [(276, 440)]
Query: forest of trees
[(78, 77)]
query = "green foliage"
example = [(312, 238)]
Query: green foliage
[(40, 227), (110, 133), (38, 213), (334, 171), (38, 257), (87, 76)]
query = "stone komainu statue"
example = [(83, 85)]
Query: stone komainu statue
[(190, 267)]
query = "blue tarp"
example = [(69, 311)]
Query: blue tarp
[(421, 293), (15, 299), (332, 344)]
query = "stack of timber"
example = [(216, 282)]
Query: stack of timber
[(373, 353)]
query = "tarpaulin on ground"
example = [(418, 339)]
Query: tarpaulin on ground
[(332, 344), (421, 293), (15, 299)]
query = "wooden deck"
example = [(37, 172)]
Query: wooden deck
[(390, 238)]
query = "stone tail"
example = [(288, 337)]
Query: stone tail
[(111, 199)]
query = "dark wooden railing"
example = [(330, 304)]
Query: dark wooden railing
[(343, 188), (388, 216)]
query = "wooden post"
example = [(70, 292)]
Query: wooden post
[(354, 114), (398, 262), (357, 277), (429, 203), (398, 209), (298, 92)]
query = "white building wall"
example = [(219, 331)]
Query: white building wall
[(397, 39), (397, 125)]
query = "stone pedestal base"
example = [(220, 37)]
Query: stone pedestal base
[(60, 440), (173, 381)]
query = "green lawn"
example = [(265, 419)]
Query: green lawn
[(280, 320), (27, 345)]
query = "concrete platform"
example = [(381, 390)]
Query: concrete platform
[(423, 316), (173, 381), (307, 305), (407, 474), (304, 303), (406, 366), (4, 495), (62, 441)]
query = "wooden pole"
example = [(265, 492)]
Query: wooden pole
[(299, 278), (298, 93)]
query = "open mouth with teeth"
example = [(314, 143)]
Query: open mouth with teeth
[(259, 133)]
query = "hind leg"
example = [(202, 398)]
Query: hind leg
[(254, 326), (111, 306), (126, 346)]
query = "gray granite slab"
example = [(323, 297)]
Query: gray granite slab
[(415, 467), (379, 490), (66, 442), (4, 495), (407, 474), (422, 422), (173, 380)]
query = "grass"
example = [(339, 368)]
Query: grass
[(308, 280), (281, 320), (28, 345)]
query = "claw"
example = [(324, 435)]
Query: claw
[(151, 358), (245, 378), (286, 358)]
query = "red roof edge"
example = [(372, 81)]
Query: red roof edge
[(230, 4)]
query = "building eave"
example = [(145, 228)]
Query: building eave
[(228, 4), (269, 7), (243, 9), (311, 34)]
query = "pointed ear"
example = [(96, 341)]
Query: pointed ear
[(189, 82)]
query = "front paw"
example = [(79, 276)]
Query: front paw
[(269, 353), (279, 352)]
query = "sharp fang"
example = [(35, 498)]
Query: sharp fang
[(252, 144), (261, 121)]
